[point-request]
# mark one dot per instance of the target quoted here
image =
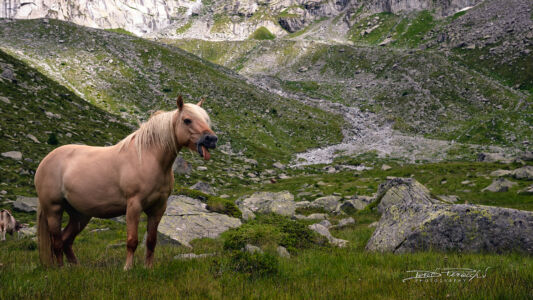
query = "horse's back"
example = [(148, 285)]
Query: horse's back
[(49, 177)]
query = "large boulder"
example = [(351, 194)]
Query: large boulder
[(187, 219), (493, 157), (525, 172), (421, 223), (328, 203), (499, 185), (324, 231), (356, 203), (26, 204), (281, 203), (405, 191)]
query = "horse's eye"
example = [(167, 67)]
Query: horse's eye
[(187, 121)]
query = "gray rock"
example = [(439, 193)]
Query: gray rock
[(345, 222), (282, 252), (499, 185), (252, 249), (328, 203), (180, 166), (203, 187), (317, 217), (33, 138), (302, 204), (525, 172), (8, 74), (186, 256), (247, 214), (385, 167), (356, 203), (26, 204), (500, 173), (281, 203), (250, 161), (373, 224), (449, 198), (201, 168), (527, 191), (16, 155), (187, 219), (492, 157), (323, 231), (402, 191), (28, 231), (325, 223), (418, 225), (278, 165)]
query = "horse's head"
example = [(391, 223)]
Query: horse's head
[(193, 128)]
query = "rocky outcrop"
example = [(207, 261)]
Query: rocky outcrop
[(525, 172), (187, 219), (281, 203), (324, 231), (26, 204), (137, 16), (421, 223), (203, 187), (499, 185), (16, 155), (404, 191)]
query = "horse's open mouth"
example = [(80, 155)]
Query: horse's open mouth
[(202, 150)]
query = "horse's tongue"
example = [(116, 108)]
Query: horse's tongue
[(206, 153)]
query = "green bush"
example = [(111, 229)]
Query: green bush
[(52, 139), (254, 264), (262, 33), (272, 230)]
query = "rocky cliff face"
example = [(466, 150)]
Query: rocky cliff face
[(137, 16), (214, 20)]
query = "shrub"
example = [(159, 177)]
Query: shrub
[(254, 264), (52, 139), (272, 230)]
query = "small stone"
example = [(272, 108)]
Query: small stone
[(278, 165), (282, 252), (33, 138), (252, 249), (499, 185), (385, 167), (203, 187), (185, 256), (201, 168), (16, 155)]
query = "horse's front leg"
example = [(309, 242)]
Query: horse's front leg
[(154, 216), (133, 213)]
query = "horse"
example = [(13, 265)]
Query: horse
[(133, 176), (8, 224)]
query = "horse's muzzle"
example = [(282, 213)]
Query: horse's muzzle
[(207, 141)]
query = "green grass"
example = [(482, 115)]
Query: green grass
[(121, 31), (323, 273), (184, 28), (262, 33), (31, 98)]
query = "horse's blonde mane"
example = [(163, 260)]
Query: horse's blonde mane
[(157, 131)]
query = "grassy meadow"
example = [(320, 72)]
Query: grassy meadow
[(315, 269)]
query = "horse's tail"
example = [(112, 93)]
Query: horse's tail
[(44, 239)]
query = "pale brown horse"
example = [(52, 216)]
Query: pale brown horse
[(130, 177)]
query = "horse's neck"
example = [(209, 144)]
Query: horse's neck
[(165, 157)]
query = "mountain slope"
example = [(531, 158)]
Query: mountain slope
[(132, 76), (37, 115)]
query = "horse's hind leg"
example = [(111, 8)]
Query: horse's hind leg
[(54, 213), (75, 225)]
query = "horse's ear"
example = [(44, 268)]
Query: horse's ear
[(201, 102), (179, 102)]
